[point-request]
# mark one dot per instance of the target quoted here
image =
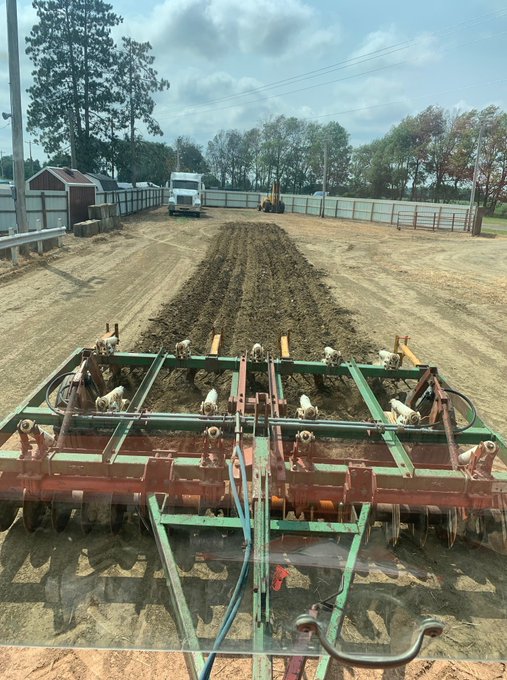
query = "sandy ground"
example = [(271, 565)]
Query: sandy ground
[(447, 292)]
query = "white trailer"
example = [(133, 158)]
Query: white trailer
[(185, 193)]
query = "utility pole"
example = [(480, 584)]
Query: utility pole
[(1, 163), (324, 182), (474, 180), (73, 160), (17, 117)]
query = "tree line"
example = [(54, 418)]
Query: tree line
[(429, 156)]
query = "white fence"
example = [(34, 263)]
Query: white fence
[(442, 215), (130, 201), (44, 210)]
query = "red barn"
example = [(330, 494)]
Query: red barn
[(80, 189)]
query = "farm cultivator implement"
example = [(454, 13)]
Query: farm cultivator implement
[(274, 500)]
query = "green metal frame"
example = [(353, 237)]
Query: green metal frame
[(116, 461)]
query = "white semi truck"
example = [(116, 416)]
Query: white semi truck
[(185, 193)]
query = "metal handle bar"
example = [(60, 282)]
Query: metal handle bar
[(430, 627)]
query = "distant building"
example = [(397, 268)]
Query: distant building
[(80, 189), (124, 185), (103, 182)]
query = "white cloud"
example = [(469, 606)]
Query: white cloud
[(417, 51), (213, 28), (186, 110)]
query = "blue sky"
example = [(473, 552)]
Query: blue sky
[(365, 64)]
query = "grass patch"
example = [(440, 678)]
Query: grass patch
[(494, 219)]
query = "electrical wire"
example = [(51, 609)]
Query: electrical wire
[(199, 109), (354, 61)]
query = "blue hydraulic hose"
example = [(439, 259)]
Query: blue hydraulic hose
[(237, 596), (237, 502)]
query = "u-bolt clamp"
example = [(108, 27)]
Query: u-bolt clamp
[(430, 627)]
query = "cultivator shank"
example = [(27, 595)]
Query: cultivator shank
[(251, 461)]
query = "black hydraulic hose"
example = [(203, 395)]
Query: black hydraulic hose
[(469, 402), (50, 387)]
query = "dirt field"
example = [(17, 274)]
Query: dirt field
[(447, 292)]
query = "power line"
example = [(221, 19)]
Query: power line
[(401, 101), (188, 112), (354, 61)]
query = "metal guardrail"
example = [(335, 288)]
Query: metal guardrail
[(15, 240)]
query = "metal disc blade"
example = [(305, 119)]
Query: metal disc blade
[(60, 514), (33, 514), (8, 513), (474, 530), (495, 530), (392, 526), (117, 516), (144, 521), (88, 514), (451, 526), (420, 528)]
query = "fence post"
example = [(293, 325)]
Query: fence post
[(336, 207), (40, 246), (43, 208), (434, 220), (477, 223), (439, 217), (59, 240), (306, 206), (371, 211), (353, 208), (392, 215), (414, 220), (14, 250)]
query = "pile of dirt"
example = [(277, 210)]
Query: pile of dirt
[(253, 284)]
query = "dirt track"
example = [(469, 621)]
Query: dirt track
[(447, 292)]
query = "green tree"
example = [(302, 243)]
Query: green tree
[(154, 161), (339, 151), (72, 51), (6, 167), (190, 156), (136, 82), (217, 155), (492, 180)]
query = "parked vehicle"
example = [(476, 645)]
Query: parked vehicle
[(185, 193), (273, 201)]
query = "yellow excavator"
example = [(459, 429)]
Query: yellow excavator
[(273, 201)]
